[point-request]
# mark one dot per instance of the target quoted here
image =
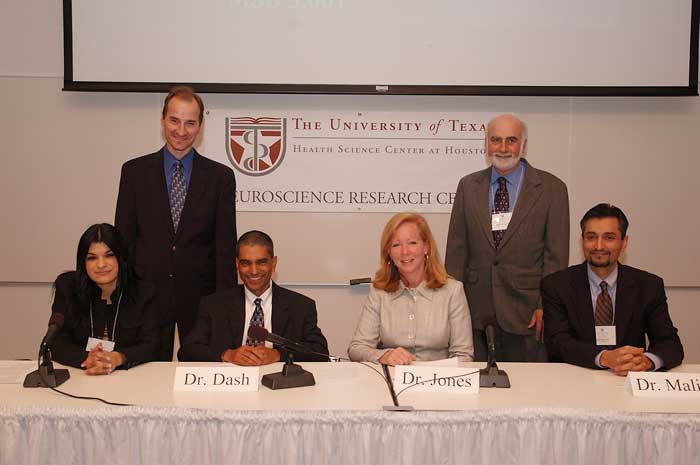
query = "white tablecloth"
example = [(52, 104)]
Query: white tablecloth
[(554, 414), (152, 435)]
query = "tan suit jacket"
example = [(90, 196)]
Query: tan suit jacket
[(505, 284)]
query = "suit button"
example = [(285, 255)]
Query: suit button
[(174, 248), (495, 263), (171, 276)]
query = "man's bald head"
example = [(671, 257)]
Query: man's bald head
[(506, 141)]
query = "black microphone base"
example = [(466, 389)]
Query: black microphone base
[(398, 408), (491, 376), (53, 377), (291, 376)]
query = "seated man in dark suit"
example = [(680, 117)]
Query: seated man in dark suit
[(598, 313), (223, 319)]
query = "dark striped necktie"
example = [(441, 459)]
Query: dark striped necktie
[(178, 193), (603, 307), (501, 204)]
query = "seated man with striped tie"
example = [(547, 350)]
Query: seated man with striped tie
[(220, 332), (599, 313)]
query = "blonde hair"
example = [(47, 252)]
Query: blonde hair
[(387, 277)]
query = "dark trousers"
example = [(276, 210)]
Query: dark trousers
[(510, 347)]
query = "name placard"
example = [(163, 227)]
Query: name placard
[(661, 384), (223, 378), (437, 379)]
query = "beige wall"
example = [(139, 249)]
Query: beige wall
[(62, 152)]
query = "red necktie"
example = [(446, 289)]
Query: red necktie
[(603, 307)]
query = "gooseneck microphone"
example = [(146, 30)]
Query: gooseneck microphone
[(490, 330), (491, 376), (292, 375), (55, 325), (259, 333), (392, 392), (45, 375)]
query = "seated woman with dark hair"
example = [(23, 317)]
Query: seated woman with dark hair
[(110, 316), (414, 310)]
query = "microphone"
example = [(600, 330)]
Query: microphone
[(489, 325), (392, 392), (292, 375), (46, 375), (55, 325), (259, 333), (491, 376)]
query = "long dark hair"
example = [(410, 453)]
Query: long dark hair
[(107, 234)]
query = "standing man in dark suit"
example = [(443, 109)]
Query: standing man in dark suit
[(220, 333), (598, 313), (509, 228), (177, 210)]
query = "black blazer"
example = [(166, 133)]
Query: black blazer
[(199, 257), (136, 334), (220, 325), (640, 309)]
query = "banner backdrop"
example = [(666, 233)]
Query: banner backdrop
[(315, 161)]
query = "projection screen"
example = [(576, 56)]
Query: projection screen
[(467, 47)]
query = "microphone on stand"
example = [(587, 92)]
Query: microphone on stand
[(292, 375), (55, 325), (259, 333), (394, 398), (46, 376), (491, 376)]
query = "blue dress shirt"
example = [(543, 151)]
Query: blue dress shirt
[(169, 164), (514, 181), (594, 282)]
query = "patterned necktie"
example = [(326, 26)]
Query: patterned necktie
[(603, 307), (258, 319), (178, 192), (501, 204)]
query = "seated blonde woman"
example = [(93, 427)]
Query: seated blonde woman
[(414, 310)]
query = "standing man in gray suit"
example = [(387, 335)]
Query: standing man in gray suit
[(509, 228)]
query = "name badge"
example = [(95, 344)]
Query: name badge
[(661, 384), (605, 336), (462, 380), (500, 221), (217, 378), (107, 346)]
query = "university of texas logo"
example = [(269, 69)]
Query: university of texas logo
[(256, 146)]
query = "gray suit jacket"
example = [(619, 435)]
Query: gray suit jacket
[(505, 284)]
